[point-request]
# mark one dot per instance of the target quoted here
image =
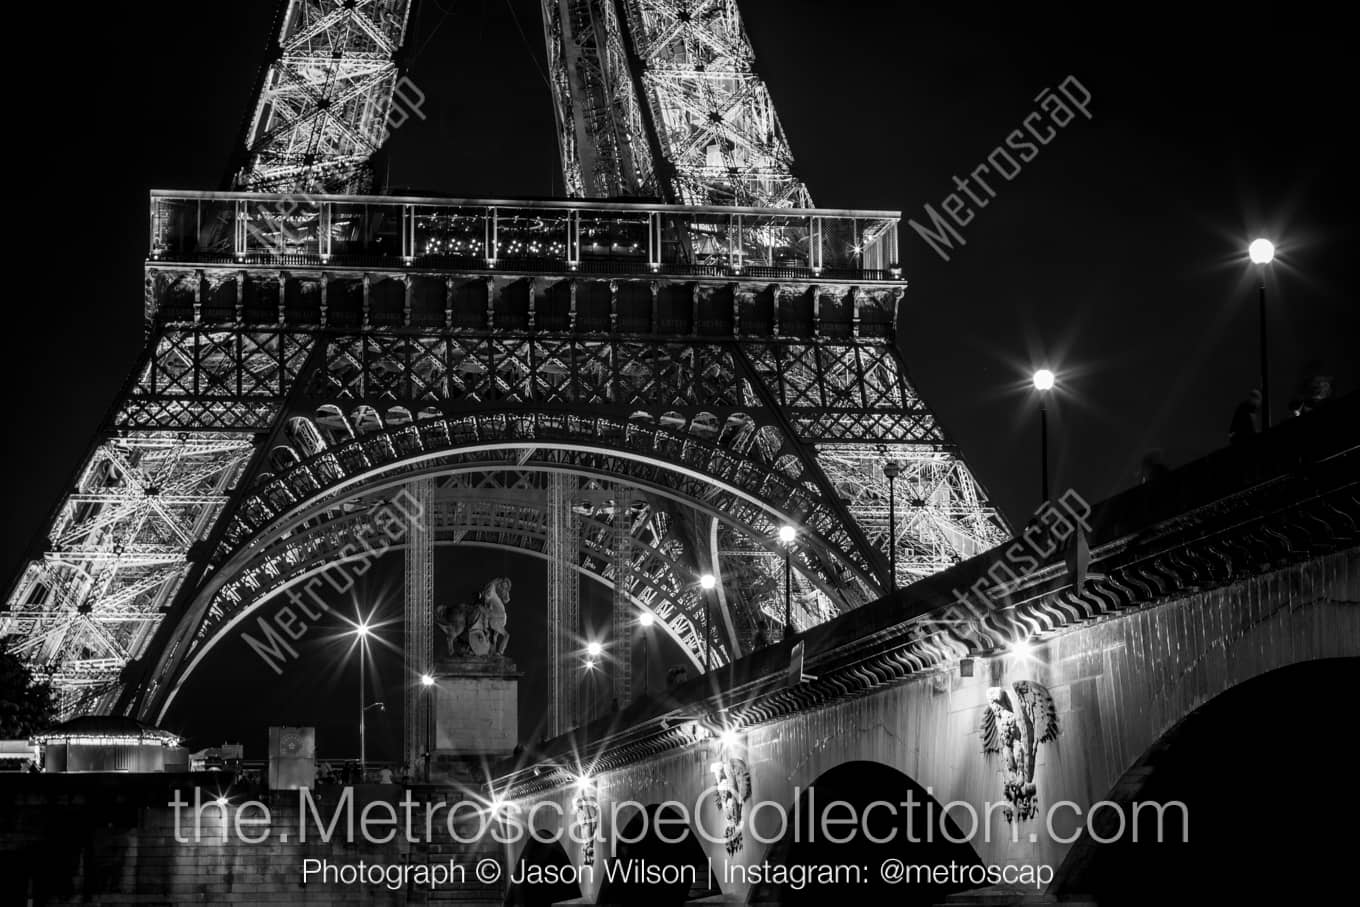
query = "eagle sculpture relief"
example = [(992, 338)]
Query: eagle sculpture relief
[(1017, 719), (731, 788)]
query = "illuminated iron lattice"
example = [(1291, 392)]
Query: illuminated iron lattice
[(687, 378), (323, 107), (665, 102)]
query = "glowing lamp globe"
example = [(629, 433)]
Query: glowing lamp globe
[(1043, 380), (1262, 251)]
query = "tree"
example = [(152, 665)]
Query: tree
[(26, 706)]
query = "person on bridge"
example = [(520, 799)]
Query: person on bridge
[(1152, 466), (1314, 390), (1246, 420)]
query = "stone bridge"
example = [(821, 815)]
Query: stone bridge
[(1105, 629)]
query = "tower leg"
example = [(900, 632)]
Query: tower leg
[(419, 622)]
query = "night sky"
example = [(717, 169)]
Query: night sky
[(1116, 256)]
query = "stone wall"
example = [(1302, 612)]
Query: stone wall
[(112, 839)]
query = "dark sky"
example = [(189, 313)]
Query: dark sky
[(1115, 256)]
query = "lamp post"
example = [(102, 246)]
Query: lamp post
[(427, 681), (892, 469), (645, 620), (787, 535), (1262, 253), (1043, 383), (362, 632), (706, 583)]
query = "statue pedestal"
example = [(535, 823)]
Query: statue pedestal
[(474, 711)]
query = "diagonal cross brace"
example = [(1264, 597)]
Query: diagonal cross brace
[(812, 468)]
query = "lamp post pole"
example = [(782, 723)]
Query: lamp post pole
[(1043, 383), (1262, 252), (428, 681), (1265, 358), (645, 620), (707, 583), (788, 590), (892, 470), (363, 750), (786, 536), (1043, 444), (708, 634)]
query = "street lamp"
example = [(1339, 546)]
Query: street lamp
[(707, 582), (1043, 383), (892, 469), (1262, 253), (787, 535)]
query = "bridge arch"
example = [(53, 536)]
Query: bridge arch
[(540, 876), (894, 818), (658, 860), (1247, 801)]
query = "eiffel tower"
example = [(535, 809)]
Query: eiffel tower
[(639, 384)]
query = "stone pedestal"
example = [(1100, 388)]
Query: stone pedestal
[(474, 713)]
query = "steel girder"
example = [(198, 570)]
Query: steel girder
[(782, 408), (323, 104), (661, 98)]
